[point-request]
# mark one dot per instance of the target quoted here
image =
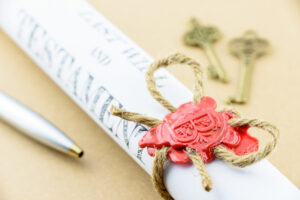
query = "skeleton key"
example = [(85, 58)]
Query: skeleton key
[(247, 48), (203, 37)]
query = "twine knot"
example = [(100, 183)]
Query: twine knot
[(195, 132)]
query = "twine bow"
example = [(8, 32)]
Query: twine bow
[(219, 151)]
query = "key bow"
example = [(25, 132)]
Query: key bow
[(249, 45)]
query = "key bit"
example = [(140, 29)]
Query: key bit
[(203, 37), (247, 48)]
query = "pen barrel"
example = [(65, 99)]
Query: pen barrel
[(32, 124)]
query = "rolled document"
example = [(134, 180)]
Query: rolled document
[(98, 66)]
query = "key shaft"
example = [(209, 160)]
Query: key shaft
[(215, 68)]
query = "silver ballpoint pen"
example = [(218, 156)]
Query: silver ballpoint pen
[(35, 126)]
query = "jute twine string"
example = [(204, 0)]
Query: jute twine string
[(165, 62), (219, 151)]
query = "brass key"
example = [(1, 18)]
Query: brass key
[(203, 37), (247, 48)]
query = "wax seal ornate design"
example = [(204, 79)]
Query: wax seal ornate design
[(199, 127)]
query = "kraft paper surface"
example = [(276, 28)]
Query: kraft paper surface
[(28, 170)]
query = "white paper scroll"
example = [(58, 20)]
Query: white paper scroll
[(98, 66)]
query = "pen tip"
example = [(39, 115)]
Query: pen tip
[(76, 151)]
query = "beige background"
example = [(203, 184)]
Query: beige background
[(30, 171)]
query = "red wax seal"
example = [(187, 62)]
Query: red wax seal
[(199, 127)]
